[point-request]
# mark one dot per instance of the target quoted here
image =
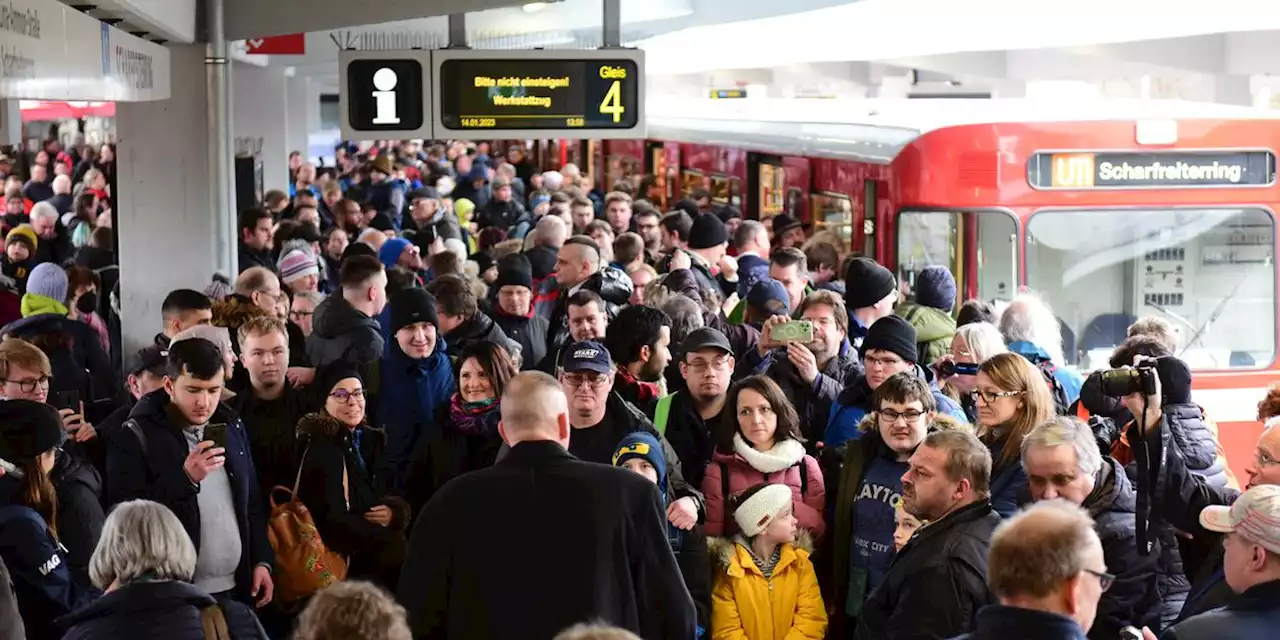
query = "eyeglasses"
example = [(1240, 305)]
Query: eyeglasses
[(881, 362), (701, 366), (302, 314), (345, 397), (1264, 459), (889, 416), (989, 397), (578, 380), (29, 385), (1104, 579)]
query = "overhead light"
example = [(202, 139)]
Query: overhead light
[(534, 7)]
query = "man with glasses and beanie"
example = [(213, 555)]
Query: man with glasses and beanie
[(1045, 566), (870, 487), (600, 419), (888, 349)]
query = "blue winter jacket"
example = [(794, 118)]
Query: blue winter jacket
[(412, 390), (855, 402), (1070, 380)]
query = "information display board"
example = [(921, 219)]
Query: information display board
[(385, 94), (579, 94), (1151, 169)]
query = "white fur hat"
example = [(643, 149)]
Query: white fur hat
[(754, 515)]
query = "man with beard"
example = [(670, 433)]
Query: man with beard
[(640, 345), (938, 581)]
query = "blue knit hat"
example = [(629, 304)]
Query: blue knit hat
[(391, 250), (936, 287), (642, 444), (48, 280)]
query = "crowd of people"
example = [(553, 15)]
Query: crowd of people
[(449, 395)]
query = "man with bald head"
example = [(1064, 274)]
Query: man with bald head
[(1045, 566), (542, 541)]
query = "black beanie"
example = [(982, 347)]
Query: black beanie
[(707, 232), (328, 376), (27, 429), (514, 276), (483, 261), (892, 334), (358, 249), (865, 283), (412, 306)]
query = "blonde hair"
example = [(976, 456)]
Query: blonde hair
[(1012, 372), (352, 610)]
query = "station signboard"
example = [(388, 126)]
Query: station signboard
[(569, 93)]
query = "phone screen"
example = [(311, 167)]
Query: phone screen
[(216, 432)]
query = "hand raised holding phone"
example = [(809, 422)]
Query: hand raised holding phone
[(203, 460)]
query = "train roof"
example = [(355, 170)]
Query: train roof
[(876, 130)]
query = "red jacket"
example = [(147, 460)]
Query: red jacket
[(748, 467)]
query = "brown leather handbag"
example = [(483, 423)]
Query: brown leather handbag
[(303, 564)]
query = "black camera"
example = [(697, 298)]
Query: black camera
[(948, 368), (1118, 383)]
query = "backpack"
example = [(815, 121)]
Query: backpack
[(724, 485), (303, 565), (1061, 404)]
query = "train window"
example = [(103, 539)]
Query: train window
[(735, 193), (726, 190), (772, 190), (691, 181), (1209, 272), (834, 212), (985, 239)]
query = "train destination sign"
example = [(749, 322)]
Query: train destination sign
[(1150, 170), (598, 94)]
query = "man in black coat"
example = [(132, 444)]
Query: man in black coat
[(212, 489), (542, 541), (938, 581), (1062, 460), (513, 312)]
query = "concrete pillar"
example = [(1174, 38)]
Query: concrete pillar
[(167, 236), (299, 127), (259, 117)]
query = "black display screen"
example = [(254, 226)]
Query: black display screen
[(1148, 170), (513, 94)]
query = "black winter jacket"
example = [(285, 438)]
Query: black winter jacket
[(341, 332), (692, 438), (1252, 615), (328, 448), (937, 583), (75, 354), (813, 401), (530, 333), (603, 544), (998, 622), (163, 610), (1134, 597), (154, 471), (80, 514), (478, 328), (613, 285), (11, 627)]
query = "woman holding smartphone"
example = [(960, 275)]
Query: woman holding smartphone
[(29, 545)]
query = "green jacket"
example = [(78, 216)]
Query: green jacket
[(934, 329)]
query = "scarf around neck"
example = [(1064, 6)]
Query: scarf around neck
[(474, 418)]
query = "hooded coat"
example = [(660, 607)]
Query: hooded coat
[(747, 467), (339, 486), (614, 287), (157, 610), (479, 328), (934, 330), (75, 354), (854, 403), (745, 605)]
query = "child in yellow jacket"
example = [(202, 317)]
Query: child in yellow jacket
[(768, 589)]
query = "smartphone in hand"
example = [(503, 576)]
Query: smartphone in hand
[(216, 432)]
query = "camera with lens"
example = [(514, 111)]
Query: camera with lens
[(1118, 383)]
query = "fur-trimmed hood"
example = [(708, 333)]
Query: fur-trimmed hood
[(724, 550), (235, 311), (323, 425)]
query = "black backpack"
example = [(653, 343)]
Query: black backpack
[(1061, 403)]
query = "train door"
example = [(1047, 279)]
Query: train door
[(979, 247), (655, 168), (766, 194)]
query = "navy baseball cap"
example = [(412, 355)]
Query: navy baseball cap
[(769, 296), (586, 356)]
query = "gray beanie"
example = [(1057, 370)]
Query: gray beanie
[(48, 280)]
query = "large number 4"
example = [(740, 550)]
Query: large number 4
[(612, 103)]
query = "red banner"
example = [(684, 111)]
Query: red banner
[(293, 44)]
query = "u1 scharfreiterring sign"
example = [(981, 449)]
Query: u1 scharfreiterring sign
[(574, 93)]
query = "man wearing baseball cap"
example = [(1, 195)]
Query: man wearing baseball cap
[(601, 419), (688, 418), (1251, 567)]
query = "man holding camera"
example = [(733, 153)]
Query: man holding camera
[(1179, 497)]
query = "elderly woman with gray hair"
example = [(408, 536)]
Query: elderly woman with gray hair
[(144, 563)]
